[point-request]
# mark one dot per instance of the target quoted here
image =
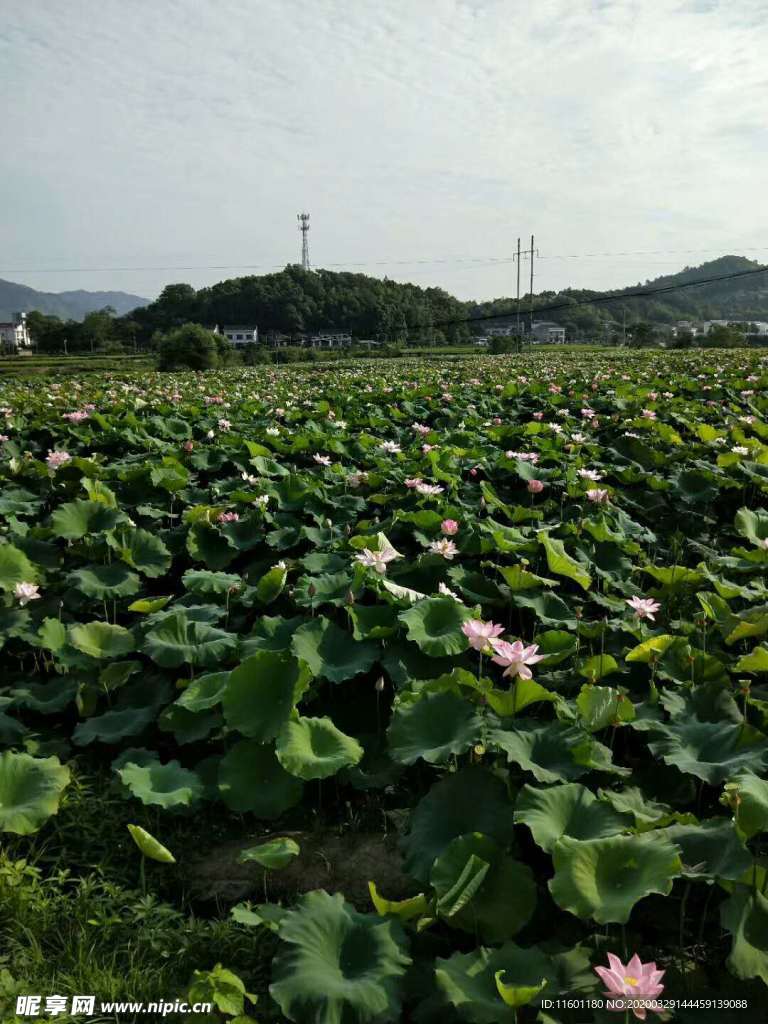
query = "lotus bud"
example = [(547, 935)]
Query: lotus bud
[(311, 589), (349, 600), (380, 684)]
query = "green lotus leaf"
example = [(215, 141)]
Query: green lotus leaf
[(252, 779), (102, 640), (270, 634), (596, 668), (46, 698), (601, 706), (561, 563), (603, 879), (435, 625), (710, 849), (330, 652), (495, 902), (373, 622), (148, 605), (80, 518), (434, 727), (548, 608), (273, 855), (204, 692), (15, 567), (52, 634), (752, 524), (313, 748), (557, 644), (177, 640), (204, 582), (209, 545), (469, 981), (339, 966), (651, 648), (117, 673), (149, 846), (507, 703), (271, 584), (144, 551), (747, 796), (543, 748), (162, 785), (647, 814), (262, 692), (712, 751), (405, 910), (567, 810), (30, 791), (472, 800), (755, 661), (104, 581), (518, 995), (188, 726), (745, 916), (113, 725), (519, 578)]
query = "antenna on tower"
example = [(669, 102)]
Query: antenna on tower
[(303, 219)]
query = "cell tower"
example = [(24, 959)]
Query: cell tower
[(303, 219)]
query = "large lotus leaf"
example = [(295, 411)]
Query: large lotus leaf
[(176, 640), (557, 644), (567, 810), (262, 692), (332, 653), (753, 524), (712, 751), (604, 878), (472, 800), (149, 846), (745, 916), (271, 584), (144, 551), (647, 814), (148, 605), (105, 581), (205, 582), (561, 563), (252, 779), (113, 725), (313, 748), (339, 966), (543, 748), (468, 980), (270, 634), (507, 703), (435, 625), (755, 661), (47, 698), (434, 727), (273, 855), (494, 903), (373, 622), (188, 726), (710, 849), (162, 785), (405, 910), (206, 544), (204, 692), (601, 706), (102, 640), (747, 796), (78, 519), (15, 567), (30, 791), (548, 608)]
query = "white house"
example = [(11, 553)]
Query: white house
[(14, 336), (548, 333), (327, 339), (239, 335)]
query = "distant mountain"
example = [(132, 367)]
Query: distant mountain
[(18, 298)]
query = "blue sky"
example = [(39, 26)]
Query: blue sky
[(188, 133)]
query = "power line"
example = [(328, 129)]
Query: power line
[(598, 300)]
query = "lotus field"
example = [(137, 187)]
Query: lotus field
[(511, 609)]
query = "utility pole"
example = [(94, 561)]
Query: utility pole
[(532, 254), (623, 326), (533, 251), (518, 288)]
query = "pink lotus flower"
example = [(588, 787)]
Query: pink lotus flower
[(322, 460), (481, 634), (598, 495), (430, 490), (538, 415), (649, 414), (635, 981), (76, 417), (26, 592), (644, 607), (413, 481), (444, 547), (517, 657), (224, 424), (377, 560), (535, 486), (188, 446), (227, 517), (57, 459), (449, 527)]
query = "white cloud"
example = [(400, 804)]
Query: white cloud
[(166, 132)]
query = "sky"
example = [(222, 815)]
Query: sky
[(160, 141)]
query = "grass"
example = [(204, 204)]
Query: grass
[(74, 921)]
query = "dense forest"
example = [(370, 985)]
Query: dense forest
[(295, 301)]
